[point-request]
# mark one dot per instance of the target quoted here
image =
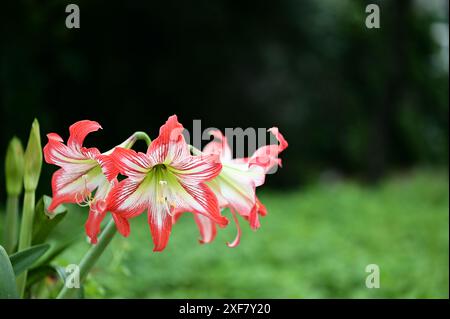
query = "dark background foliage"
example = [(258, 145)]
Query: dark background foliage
[(351, 100)]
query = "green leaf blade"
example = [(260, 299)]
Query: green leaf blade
[(8, 289), (24, 259), (44, 221)]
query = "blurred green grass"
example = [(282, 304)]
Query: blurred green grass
[(314, 243)]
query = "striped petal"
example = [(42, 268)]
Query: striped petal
[(73, 187), (79, 131), (73, 160), (129, 198), (267, 156), (171, 194), (197, 169), (237, 239), (170, 146), (258, 210), (237, 183), (98, 209), (128, 162), (160, 228), (200, 199), (206, 227), (108, 165), (122, 224), (218, 146), (92, 225)]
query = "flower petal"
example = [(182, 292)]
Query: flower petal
[(197, 169), (73, 160), (283, 143), (122, 224), (262, 210), (237, 183), (98, 210), (237, 240), (95, 219), (218, 146), (214, 185), (200, 199), (129, 198), (108, 165), (160, 228), (68, 187), (79, 131), (267, 156), (93, 222), (128, 162), (206, 227), (253, 218), (170, 145)]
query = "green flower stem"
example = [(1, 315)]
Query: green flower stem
[(129, 142), (92, 255), (26, 231), (11, 229), (143, 136)]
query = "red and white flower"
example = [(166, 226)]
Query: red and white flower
[(80, 175), (235, 185), (164, 180)]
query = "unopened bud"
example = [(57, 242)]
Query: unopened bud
[(14, 167), (33, 158)]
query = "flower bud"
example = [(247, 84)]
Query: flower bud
[(33, 158), (14, 167)]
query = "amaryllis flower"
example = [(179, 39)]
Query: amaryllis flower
[(80, 175), (235, 185), (165, 179)]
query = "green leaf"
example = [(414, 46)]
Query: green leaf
[(24, 259), (8, 289), (44, 221), (37, 274), (55, 250)]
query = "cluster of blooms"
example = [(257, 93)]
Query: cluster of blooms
[(171, 178)]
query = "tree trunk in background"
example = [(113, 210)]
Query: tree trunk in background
[(381, 130)]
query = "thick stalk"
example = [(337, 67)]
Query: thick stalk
[(143, 136), (129, 142), (26, 231), (11, 227), (91, 257)]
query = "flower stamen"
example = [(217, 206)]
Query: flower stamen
[(84, 198), (164, 199)]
